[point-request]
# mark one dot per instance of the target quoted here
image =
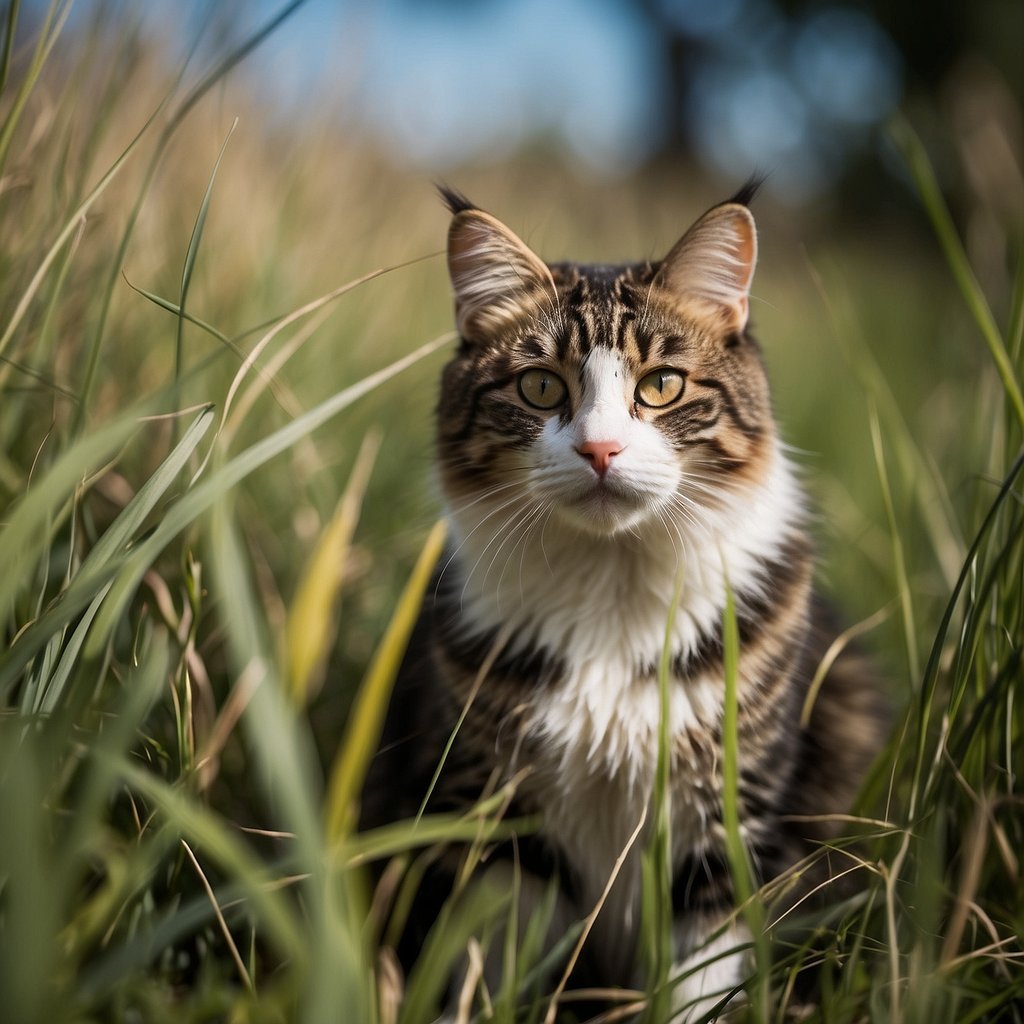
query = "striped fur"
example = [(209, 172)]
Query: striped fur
[(571, 527)]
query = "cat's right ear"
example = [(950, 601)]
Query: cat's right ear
[(492, 270)]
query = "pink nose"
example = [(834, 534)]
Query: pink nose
[(599, 454)]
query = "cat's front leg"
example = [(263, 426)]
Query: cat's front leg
[(715, 961)]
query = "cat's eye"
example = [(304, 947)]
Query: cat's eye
[(659, 387), (542, 389)]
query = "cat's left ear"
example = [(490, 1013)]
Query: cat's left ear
[(713, 263)]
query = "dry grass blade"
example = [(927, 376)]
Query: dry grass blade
[(488, 663), (836, 648), (225, 930), (230, 428), (588, 922)]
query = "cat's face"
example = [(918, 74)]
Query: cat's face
[(604, 398)]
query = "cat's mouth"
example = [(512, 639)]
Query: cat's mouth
[(605, 506)]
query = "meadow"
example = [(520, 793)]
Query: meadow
[(220, 333)]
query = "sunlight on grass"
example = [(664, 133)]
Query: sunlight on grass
[(219, 337)]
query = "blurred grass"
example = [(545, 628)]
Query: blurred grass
[(196, 341)]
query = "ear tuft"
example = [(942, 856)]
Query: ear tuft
[(713, 263), (492, 270), (749, 189), (455, 201)]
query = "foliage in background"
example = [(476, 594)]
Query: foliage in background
[(189, 311)]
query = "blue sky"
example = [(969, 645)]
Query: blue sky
[(442, 83)]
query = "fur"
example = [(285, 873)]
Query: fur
[(573, 522)]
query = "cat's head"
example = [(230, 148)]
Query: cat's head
[(603, 397)]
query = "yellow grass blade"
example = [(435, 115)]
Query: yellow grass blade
[(310, 626), (366, 720)]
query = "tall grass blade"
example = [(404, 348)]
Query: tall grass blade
[(656, 859), (207, 830), (914, 154), (741, 868), (96, 570), (899, 558), (56, 16), (457, 924), (8, 47), (29, 524), (203, 495), (42, 861), (333, 962), (174, 123), (71, 226), (192, 253), (366, 720), (310, 624)]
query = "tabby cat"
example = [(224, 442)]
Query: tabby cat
[(605, 438)]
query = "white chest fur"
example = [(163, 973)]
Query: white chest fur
[(601, 605)]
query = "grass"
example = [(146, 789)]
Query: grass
[(215, 522)]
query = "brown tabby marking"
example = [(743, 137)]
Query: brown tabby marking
[(644, 458)]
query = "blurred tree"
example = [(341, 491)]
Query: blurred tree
[(796, 85)]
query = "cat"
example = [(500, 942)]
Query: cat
[(605, 438)]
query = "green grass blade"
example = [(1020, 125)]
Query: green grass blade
[(28, 526), (208, 831), (129, 521), (914, 154), (8, 47), (203, 495), (71, 226), (192, 253), (56, 15), (333, 958), (656, 858), (741, 868), (98, 567), (45, 693), (445, 944), (174, 123), (899, 558)]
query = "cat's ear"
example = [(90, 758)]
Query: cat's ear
[(491, 268), (713, 263)]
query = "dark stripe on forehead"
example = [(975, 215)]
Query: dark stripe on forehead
[(670, 345), (584, 338), (626, 318), (532, 348), (562, 338), (643, 339)]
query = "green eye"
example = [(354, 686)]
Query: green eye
[(659, 387), (541, 389)]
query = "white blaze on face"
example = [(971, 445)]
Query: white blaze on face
[(604, 471), (603, 414)]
